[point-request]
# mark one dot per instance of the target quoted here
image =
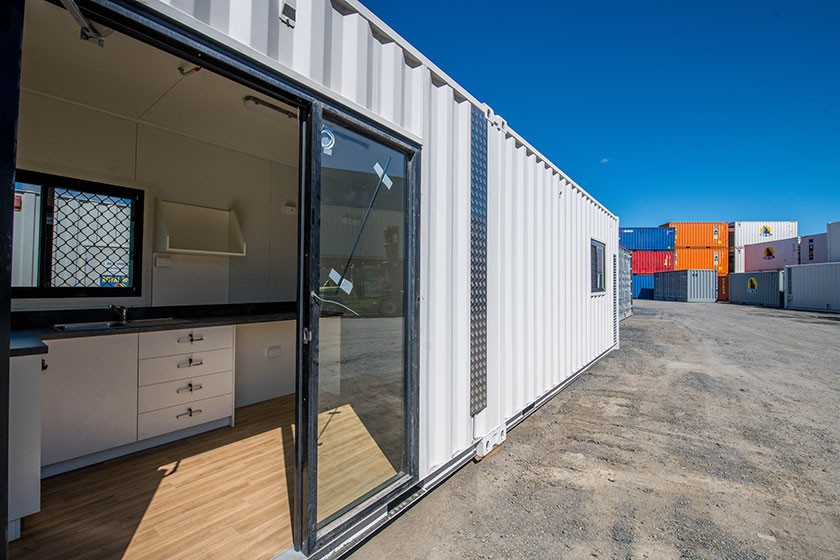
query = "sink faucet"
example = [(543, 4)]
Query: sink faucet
[(121, 311)]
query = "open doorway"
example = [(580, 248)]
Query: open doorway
[(172, 436), (193, 417)]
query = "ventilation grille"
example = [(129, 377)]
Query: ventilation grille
[(615, 298)]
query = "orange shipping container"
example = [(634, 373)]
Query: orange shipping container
[(702, 259), (700, 234)]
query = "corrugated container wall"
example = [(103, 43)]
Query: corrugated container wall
[(647, 238), (692, 286), (723, 288), (700, 234), (642, 286), (757, 288), (650, 262), (625, 283), (813, 287), (702, 259), (813, 249), (833, 229), (543, 323), (772, 255), (750, 233)]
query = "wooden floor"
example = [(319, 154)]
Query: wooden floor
[(224, 494)]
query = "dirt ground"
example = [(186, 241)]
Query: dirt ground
[(712, 433)]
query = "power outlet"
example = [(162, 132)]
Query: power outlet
[(272, 352)]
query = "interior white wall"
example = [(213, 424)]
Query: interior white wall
[(259, 377), (56, 134)]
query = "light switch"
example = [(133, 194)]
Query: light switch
[(163, 262), (272, 352)]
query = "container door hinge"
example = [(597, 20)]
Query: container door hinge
[(307, 335)]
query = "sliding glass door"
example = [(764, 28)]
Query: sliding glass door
[(362, 312)]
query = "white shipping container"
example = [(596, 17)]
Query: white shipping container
[(547, 321), (813, 287), (772, 255), (833, 232), (750, 233), (813, 249)]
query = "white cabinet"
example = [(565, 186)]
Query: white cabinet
[(185, 379), (24, 440), (89, 398)]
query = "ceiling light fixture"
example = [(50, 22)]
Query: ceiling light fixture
[(259, 106)]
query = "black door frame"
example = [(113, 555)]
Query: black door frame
[(11, 44), (158, 31), (325, 538)]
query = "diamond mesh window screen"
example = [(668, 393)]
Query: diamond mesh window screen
[(84, 237), (91, 245)]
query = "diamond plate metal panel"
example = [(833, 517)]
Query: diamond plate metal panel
[(478, 265)]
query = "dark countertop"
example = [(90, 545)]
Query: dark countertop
[(27, 336)]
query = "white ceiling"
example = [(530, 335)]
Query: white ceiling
[(131, 79)]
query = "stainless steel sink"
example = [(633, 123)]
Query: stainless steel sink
[(112, 325)]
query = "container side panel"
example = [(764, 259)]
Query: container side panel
[(750, 233), (771, 255), (813, 287), (757, 288)]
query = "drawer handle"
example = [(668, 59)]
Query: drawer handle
[(190, 388), (190, 363), (190, 339), (189, 413)]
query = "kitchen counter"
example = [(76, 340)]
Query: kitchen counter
[(28, 339)]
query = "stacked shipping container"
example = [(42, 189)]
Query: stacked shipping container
[(742, 234), (701, 246), (652, 251)]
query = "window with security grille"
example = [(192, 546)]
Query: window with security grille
[(76, 238), (597, 267)]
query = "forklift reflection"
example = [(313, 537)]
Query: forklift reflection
[(377, 283)]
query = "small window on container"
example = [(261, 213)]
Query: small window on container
[(75, 238), (597, 267)]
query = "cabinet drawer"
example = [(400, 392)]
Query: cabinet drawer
[(182, 341), (183, 391), (184, 366), (173, 418)]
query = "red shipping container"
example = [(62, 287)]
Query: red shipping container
[(651, 262), (723, 288)]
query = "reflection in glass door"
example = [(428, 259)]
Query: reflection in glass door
[(361, 424)]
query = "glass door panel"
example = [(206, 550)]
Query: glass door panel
[(361, 424)]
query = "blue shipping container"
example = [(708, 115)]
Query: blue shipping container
[(642, 286), (647, 238)]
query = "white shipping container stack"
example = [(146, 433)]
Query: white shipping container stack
[(772, 255), (750, 233)]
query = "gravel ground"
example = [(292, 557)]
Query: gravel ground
[(712, 433)]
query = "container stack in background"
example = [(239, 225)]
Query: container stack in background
[(703, 246), (814, 283), (652, 251), (760, 252), (751, 233)]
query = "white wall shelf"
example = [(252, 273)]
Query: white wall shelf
[(196, 230)]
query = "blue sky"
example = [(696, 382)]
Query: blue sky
[(663, 110)]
